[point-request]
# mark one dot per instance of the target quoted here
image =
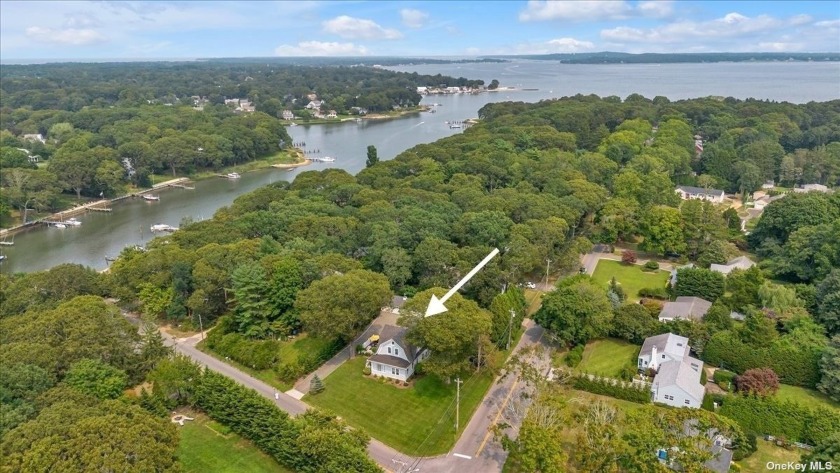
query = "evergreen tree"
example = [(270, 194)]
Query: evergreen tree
[(372, 157), (316, 385)]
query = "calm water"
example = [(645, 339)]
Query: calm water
[(104, 234)]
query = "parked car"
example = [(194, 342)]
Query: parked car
[(530, 285)]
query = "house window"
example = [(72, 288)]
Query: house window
[(378, 367), (389, 350), (395, 371), (679, 344), (687, 402), (663, 356), (396, 351)]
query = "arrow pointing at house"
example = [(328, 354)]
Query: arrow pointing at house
[(436, 305)]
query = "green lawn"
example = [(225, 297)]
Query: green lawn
[(805, 396), (208, 447), (607, 357), (767, 452), (400, 417), (631, 278)]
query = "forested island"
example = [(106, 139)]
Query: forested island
[(607, 57), (95, 130), (316, 259)]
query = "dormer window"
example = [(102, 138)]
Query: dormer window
[(396, 351), (679, 344), (389, 350)]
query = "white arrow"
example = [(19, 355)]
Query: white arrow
[(436, 305)]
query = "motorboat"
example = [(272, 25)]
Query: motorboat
[(72, 222), (233, 175), (454, 126), (150, 197), (162, 227), (327, 159), (60, 225)]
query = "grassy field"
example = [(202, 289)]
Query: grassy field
[(208, 447), (607, 357), (631, 278), (534, 298), (805, 396), (767, 452), (400, 417)]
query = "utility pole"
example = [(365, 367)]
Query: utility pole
[(510, 328), (201, 326), (547, 266), (457, 404)]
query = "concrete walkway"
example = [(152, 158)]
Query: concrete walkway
[(386, 317)]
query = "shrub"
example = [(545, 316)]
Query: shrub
[(574, 357), (366, 371), (651, 265), (758, 381), (654, 292), (792, 420), (703, 377), (628, 256), (316, 385), (723, 378), (745, 448), (628, 372), (608, 387)]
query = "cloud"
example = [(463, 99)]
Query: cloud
[(320, 48), (359, 28), (729, 26), (558, 45), (413, 18), (545, 10), (68, 36)]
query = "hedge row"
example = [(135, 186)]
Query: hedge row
[(613, 388), (256, 354), (768, 416), (310, 443), (795, 365)]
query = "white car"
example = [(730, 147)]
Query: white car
[(530, 285)]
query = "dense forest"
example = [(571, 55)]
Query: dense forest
[(607, 57), (541, 182)]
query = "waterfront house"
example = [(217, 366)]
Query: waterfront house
[(332, 114), (287, 115), (315, 105), (395, 357), (34, 137), (690, 193)]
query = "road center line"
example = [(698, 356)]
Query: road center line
[(496, 420), (462, 456)]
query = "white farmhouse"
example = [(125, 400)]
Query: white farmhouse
[(395, 358), (677, 380)]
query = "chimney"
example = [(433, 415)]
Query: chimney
[(654, 361)]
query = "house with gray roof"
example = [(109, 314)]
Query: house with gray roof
[(685, 307), (741, 262), (395, 357), (661, 348), (691, 193)]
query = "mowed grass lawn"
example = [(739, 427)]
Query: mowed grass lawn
[(806, 397), (401, 417), (630, 277), (768, 452), (608, 356), (208, 447)]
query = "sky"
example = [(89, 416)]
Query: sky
[(199, 29)]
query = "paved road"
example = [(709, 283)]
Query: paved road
[(590, 261), (475, 451)]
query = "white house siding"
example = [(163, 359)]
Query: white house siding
[(381, 369), (674, 396)]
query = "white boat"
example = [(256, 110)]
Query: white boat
[(327, 159), (2, 257), (60, 225), (162, 227), (150, 198), (233, 175), (73, 222), (454, 125), (293, 124)]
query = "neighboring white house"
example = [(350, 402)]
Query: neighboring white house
[(287, 115), (34, 137), (811, 188), (662, 348), (685, 307), (689, 193), (332, 114), (741, 262), (315, 105), (395, 358), (677, 380)]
